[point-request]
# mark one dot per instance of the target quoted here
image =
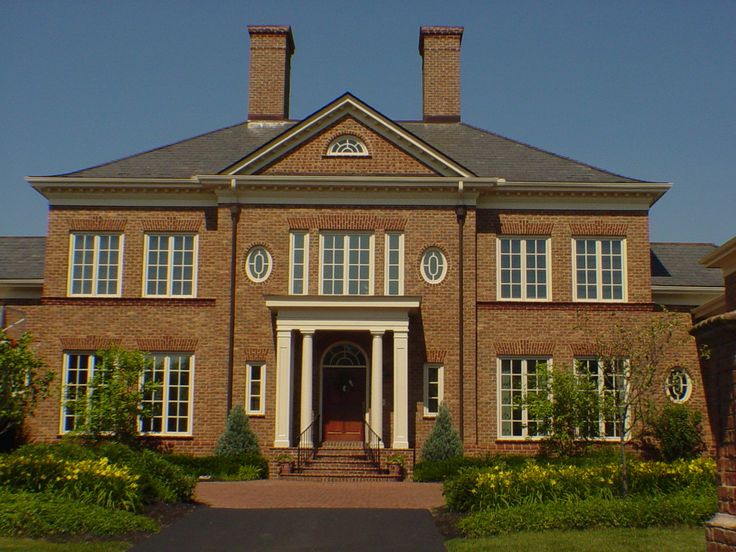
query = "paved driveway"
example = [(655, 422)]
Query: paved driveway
[(291, 516)]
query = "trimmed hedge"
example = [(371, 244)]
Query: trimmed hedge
[(219, 467), (475, 489), (38, 514), (682, 508)]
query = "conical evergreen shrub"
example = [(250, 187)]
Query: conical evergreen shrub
[(238, 438), (443, 442)]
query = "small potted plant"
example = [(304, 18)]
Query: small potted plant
[(285, 462), (395, 463)]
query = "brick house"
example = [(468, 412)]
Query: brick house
[(346, 273)]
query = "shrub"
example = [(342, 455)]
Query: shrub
[(91, 481), (678, 432), (443, 441), (682, 508), (475, 489), (238, 438), (219, 467), (37, 514)]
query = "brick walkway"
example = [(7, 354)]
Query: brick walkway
[(269, 493)]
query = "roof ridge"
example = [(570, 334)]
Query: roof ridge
[(566, 158), (177, 142)]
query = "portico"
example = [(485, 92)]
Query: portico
[(309, 315)]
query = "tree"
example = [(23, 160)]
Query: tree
[(238, 438), (631, 356), (114, 399), (568, 413), (21, 382), (443, 441)]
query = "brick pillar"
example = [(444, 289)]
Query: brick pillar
[(440, 51), (271, 48), (717, 334)]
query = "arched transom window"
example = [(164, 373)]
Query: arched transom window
[(347, 146), (344, 355)]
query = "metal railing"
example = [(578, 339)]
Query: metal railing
[(307, 444), (372, 445)]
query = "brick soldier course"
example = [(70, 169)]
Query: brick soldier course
[(346, 171)]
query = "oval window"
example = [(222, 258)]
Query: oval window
[(258, 264), (679, 385), (434, 265)]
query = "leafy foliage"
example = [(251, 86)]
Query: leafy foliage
[(443, 441), (218, 467), (475, 489), (38, 514), (114, 399), (678, 432), (682, 508), (238, 438), (21, 382)]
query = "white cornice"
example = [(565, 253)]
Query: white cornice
[(691, 296), (277, 302), (724, 257)]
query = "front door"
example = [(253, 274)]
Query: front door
[(343, 394)]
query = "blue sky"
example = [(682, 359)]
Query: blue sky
[(644, 89)]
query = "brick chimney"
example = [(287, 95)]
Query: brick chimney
[(271, 48), (440, 51)]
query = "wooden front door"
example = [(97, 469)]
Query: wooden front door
[(343, 408)]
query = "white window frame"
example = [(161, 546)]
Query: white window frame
[(332, 148), (601, 390), (524, 389), (599, 270), (91, 362), (445, 266), (400, 266), (95, 264), (440, 387), (305, 276), (269, 262), (523, 268), (261, 388), (346, 263), (165, 400), (170, 266), (688, 383)]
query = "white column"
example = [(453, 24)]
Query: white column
[(377, 383), (401, 390), (306, 399), (284, 363)]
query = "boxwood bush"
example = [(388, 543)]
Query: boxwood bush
[(682, 508), (218, 467), (38, 514)]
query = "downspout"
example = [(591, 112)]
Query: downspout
[(461, 211), (234, 218)]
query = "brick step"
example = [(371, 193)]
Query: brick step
[(336, 477), (341, 452), (339, 460), (341, 470)]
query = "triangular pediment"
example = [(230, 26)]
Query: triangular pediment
[(391, 149)]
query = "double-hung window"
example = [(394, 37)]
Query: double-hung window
[(168, 383), (394, 263), (95, 265), (299, 273), (608, 378), (519, 378), (255, 388), (346, 266), (171, 265), (433, 388), (79, 369), (600, 269), (523, 265)]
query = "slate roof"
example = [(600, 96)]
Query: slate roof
[(678, 264), (21, 258), (482, 152)]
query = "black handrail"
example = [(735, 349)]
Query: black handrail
[(306, 445), (372, 445)]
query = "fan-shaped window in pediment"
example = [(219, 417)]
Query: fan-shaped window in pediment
[(347, 146)]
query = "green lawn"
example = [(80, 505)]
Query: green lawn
[(610, 540), (8, 544)]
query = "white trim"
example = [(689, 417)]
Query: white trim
[(91, 362), (691, 296), (331, 149), (386, 262), (548, 268), (165, 399), (95, 263), (598, 269), (346, 235), (440, 387), (524, 417), (195, 265), (689, 382), (445, 267), (305, 278), (269, 257), (262, 388)]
